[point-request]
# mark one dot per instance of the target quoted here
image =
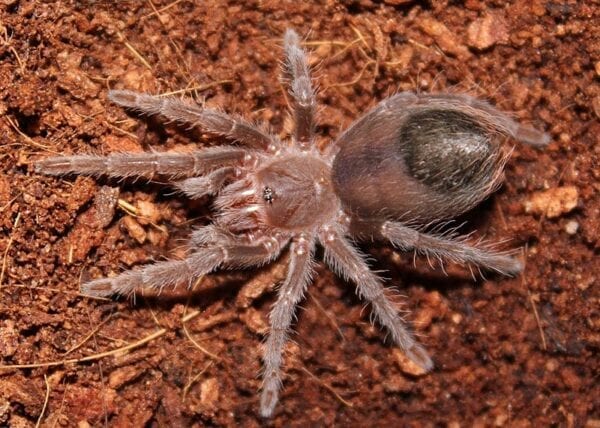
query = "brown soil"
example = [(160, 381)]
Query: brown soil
[(520, 351)]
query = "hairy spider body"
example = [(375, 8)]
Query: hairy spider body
[(413, 160)]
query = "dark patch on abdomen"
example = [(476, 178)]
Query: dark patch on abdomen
[(445, 150)]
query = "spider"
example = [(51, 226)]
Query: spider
[(412, 161)]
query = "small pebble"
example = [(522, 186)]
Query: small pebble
[(447, 40), (9, 335), (553, 202), (106, 202), (209, 393), (148, 212), (134, 229), (406, 365), (570, 378), (571, 227), (501, 420), (551, 365), (122, 375), (487, 31), (5, 186), (456, 318), (424, 318)]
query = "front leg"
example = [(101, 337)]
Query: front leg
[(289, 294), (157, 276), (189, 113), (147, 165), (296, 66)]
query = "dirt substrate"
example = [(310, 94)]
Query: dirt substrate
[(520, 351)]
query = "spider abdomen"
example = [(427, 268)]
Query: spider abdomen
[(422, 164)]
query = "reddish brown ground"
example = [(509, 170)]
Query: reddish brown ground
[(520, 351)]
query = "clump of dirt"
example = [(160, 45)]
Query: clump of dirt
[(520, 351)]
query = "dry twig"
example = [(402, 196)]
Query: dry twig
[(39, 421)]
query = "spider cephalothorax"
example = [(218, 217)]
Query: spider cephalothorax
[(413, 160)]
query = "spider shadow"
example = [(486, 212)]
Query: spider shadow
[(409, 269), (432, 275), (224, 288)]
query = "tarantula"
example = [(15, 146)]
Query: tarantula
[(412, 161)]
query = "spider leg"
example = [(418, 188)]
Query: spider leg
[(122, 165), (489, 115), (208, 235), (303, 110), (349, 263), (450, 248), (159, 275), (291, 291), (493, 117), (197, 187), (186, 112)]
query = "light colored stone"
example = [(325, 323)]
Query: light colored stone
[(406, 365), (554, 202), (209, 393), (445, 39), (487, 31), (571, 227), (134, 229)]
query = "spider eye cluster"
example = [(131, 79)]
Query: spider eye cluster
[(296, 192), (268, 194)]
